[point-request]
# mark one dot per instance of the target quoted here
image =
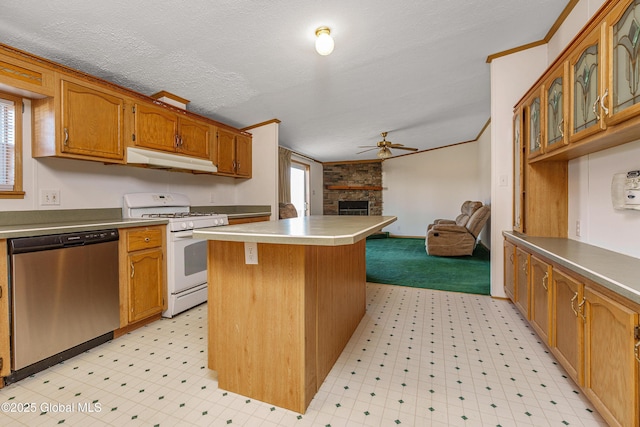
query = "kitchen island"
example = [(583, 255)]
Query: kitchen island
[(284, 299)]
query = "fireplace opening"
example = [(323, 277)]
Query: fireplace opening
[(353, 207)]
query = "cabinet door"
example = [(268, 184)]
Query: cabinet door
[(624, 66), (533, 125), (567, 336), (194, 138), (145, 284), (540, 278), (586, 85), (518, 172), (226, 151), (155, 128), (522, 282), (556, 109), (92, 122), (611, 367), (243, 156), (509, 270)]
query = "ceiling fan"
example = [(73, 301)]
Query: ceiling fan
[(384, 147)]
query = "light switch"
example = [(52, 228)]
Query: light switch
[(250, 252), (504, 180)]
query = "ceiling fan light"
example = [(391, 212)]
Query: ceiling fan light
[(324, 41), (384, 153)]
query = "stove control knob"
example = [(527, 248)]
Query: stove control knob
[(190, 224), (216, 221), (183, 225)]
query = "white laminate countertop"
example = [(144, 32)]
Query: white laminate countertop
[(617, 272), (37, 229), (320, 230)]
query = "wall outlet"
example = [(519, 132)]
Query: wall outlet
[(250, 253), (577, 228), (50, 197), (212, 197)]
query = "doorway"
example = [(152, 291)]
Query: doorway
[(300, 187)]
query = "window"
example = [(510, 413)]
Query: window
[(10, 146)]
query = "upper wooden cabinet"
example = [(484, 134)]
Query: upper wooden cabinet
[(622, 96), (586, 73), (234, 153), (158, 128), (518, 172), (533, 124), (556, 108), (83, 121)]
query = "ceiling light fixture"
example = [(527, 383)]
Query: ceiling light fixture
[(384, 153), (324, 41)]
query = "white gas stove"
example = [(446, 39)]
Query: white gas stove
[(186, 257)]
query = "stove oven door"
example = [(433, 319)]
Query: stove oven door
[(186, 262)]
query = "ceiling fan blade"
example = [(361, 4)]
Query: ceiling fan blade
[(364, 151), (406, 148), (367, 146)]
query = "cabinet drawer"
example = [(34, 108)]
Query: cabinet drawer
[(144, 239)]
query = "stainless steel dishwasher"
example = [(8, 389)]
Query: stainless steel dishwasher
[(64, 293)]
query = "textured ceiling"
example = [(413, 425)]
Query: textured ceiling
[(415, 68)]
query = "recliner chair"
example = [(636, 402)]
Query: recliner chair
[(466, 210), (456, 240)]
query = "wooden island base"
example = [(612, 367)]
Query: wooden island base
[(276, 328)]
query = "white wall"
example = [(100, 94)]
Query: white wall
[(590, 200), (315, 183), (484, 175), (421, 187), (262, 188), (511, 77), (84, 184)]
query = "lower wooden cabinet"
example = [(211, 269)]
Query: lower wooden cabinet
[(567, 329), (611, 368), (142, 273), (592, 331), (522, 282), (509, 269), (539, 283)]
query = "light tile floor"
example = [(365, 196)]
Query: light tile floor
[(418, 358)]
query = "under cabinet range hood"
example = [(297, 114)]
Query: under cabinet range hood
[(161, 160)]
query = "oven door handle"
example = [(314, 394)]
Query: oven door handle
[(183, 236)]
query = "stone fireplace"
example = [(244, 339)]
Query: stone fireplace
[(349, 182)]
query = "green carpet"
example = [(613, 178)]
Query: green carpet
[(404, 262)]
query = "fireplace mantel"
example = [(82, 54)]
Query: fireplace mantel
[(354, 187)]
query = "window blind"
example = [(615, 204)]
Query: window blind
[(7, 144)]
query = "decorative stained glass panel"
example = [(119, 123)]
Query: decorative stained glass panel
[(626, 47), (555, 118), (585, 91), (534, 125)]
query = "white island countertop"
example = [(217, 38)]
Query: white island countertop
[(321, 230)]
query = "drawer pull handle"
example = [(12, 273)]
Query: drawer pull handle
[(66, 137), (133, 269), (147, 240), (573, 300), (545, 279), (602, 105), (595, 108), (581, 308)]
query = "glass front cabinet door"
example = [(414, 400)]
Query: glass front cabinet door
[(533, 124), (556, 109), (624, 63), (518, 172), (586, 85)]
